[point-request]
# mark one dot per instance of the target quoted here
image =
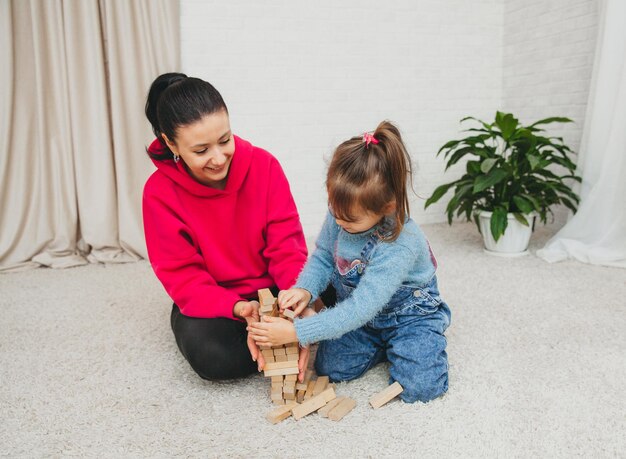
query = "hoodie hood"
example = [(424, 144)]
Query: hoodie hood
[(175, 171)]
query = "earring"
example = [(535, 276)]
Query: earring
[(176, 158)]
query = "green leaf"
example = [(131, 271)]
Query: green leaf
[(533, 201), (488, 164), (553, 119), (523, 205), (498, 222), (438, 193), (458, 155), (520, 218), (473, 168), (534, 161), (507, 124), (493, 177), (450, 144)]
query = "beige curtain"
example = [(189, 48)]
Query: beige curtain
[(74, 75)]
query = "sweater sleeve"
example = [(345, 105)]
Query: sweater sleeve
[(178, 264), (285, 248), (382, 277), (316, 274)]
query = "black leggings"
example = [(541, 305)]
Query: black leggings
[(215, 348)]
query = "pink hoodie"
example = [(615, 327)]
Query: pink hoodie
[(211, 248)]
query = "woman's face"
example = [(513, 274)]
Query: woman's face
[(206, 147)]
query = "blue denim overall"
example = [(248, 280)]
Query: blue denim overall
[(408, 332)]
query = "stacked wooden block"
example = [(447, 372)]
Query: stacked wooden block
[(311, 395), (281, 362)]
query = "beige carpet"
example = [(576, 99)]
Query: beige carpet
[(89, 368)]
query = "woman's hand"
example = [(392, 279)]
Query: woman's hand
[(272, 331), (295, 298), (249, 311)]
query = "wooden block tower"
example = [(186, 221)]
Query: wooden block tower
[(281, 362)]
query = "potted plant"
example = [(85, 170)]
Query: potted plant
[(514, 174)]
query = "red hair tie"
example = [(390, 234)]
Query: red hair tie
[(369, 138)]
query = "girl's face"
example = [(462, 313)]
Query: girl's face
[(206, 147), (363, 220)]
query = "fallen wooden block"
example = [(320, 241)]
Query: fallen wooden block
[(320, 385), (280, 413), (329, 406), (341, 409), (309, 390), (385, 395), (313, 404)]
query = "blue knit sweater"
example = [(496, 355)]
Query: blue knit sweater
[(405, 261)]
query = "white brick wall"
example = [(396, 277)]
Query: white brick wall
[(549, 48), (300, 77)]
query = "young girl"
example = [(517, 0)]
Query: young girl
[(381, 266)]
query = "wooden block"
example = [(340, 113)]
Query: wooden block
[(309, 390), (384, 396), (276, 397), (278, 379), (279, 351), (341, 409), (289, 390), (280, 413), (280, 358), (329, 406), (266, 297), (305, 382), (292, 357), (277, 365), (313, 404), (293, 378), (292, 349), (289, 313), (300, 395), (289, 397), (268, 353), (281, 371), (320, 385)]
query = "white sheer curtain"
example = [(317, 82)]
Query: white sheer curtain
[(596, 234), (73, 79)]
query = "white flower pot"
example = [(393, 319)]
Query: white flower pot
[(514, 241)]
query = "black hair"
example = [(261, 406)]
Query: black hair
[(176, 100)]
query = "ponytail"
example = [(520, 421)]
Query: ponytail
[(370, 172), (398, 168)]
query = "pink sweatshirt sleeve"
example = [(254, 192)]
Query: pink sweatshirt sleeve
[(286, 248), (177, 263)]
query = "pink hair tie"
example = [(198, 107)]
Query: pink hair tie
[(369, 138)]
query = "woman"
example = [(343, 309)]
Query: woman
[(220, 223)]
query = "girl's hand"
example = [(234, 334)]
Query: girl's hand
[(303, 362), (295, 298), (249, 311), (273, 331)]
